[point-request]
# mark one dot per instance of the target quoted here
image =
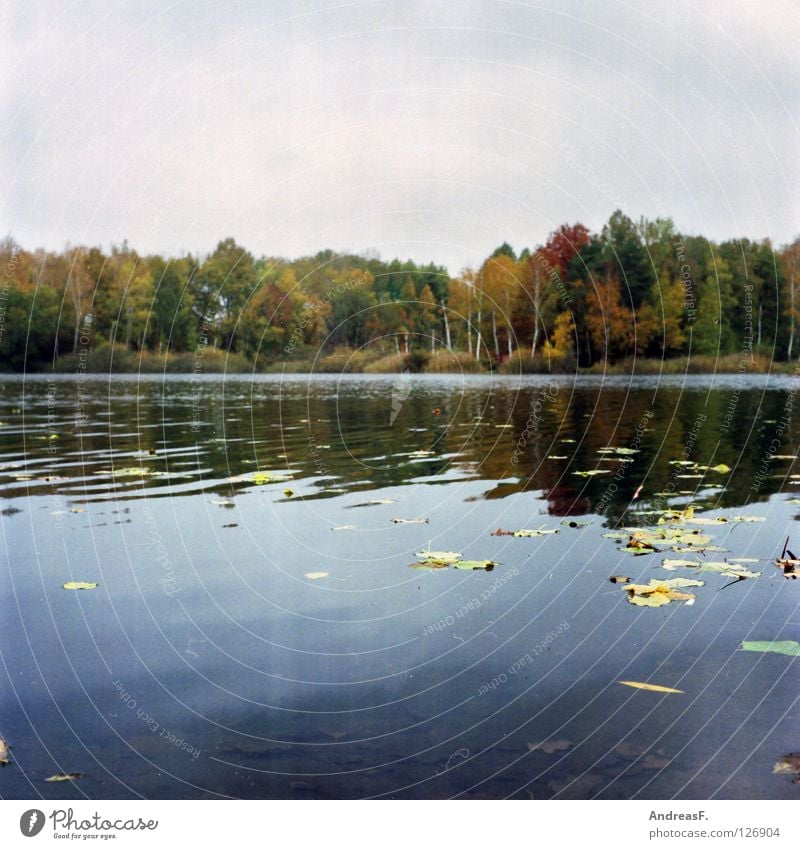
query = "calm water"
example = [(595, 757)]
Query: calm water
[(208, 664)]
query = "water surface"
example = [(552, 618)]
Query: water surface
[(207, 664)]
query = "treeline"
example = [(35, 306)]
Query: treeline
[(638, 289)]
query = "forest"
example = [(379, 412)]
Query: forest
[(633, 292)]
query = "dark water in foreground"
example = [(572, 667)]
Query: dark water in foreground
[(208, 664)]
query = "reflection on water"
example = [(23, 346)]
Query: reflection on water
[(208, 662)]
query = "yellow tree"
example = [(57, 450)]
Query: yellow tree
[(499, 282)]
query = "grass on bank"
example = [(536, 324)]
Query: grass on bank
[(105, 359)]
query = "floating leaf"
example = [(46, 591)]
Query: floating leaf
[(225, 503), (619, 579), (429, 564), (557, 457), (4, 756), (261, 478), (749, 519), (653, 688), (625, 452), (524, 532), (787, 647), (573, 523), (383, 501), (593, 472), (439, 556), (288, 493), (788, 764), (65, 776), (550, 747), (344, 528), (80, 585), (486, 565), (410, 521), (733, 570), (658, 593), (315, 576)]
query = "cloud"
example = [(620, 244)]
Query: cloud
[(428, 130)]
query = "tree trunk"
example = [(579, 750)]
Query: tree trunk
[(494, 334), (446, 328), (469, 333), (508, 337), (535, 342), (478, 338), (760, 307), (397, 344), (791, 317)]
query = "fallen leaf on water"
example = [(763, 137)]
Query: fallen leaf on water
[(557, 457), (410, 521), (749, 519), (225, 503), (344, 528), (288, 493), (787, 647), (654, 688), (80, 585), (619, 579), (550, 747), (439, 556), (486, 565), (383, 501), (574, 523), (315, 576), (658, 593), (65, 776), (625, 452), (733, 570), (260, 478), (3, 752), (788, 764), (429, 564), (593, 472), (525, 532), (721, 468), (789, 563)]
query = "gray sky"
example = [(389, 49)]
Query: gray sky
[(418, 128)]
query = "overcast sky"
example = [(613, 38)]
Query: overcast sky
[(416, 128)]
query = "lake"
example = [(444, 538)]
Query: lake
[(257, 629)]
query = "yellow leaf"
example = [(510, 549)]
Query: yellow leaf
[(64, 776), (655, 688), (314, 576), (80, 585)]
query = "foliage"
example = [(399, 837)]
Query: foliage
[(600, 301)]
